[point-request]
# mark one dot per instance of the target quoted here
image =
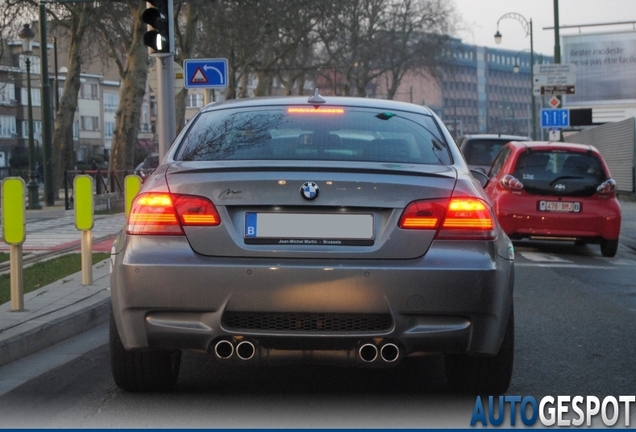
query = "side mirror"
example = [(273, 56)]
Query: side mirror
[(481, 176)]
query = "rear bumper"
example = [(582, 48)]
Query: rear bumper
[(451, 300), (519, 216)]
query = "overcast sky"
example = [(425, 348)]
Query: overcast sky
[(480, 20)]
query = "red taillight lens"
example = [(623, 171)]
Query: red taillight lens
[(423, 215), (457, 218), (607, 186), (165, 214), (510, 182)]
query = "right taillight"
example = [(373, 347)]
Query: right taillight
[(510, 182), (155, 213), (457, 218), (607, 186)]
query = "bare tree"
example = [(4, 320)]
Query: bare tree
[(123, 31), (186, 26), (415, 38), (76, 21)]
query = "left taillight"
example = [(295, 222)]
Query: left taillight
[(455, 218), (166, 214)]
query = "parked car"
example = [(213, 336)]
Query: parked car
[(480, 150), (346, 231), (557, 191), (149, 164)]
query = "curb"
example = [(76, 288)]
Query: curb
[(47, 334), (55, 313)]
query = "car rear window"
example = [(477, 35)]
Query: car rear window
[(327, 133), (541, 171), (482, 151)]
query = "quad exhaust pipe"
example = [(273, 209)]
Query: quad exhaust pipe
[(245, 350)]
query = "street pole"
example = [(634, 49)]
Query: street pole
[(527, 26), (165, 104), (32, 187), (557, 52), (55, 78), (533, 98), (49, 182), (27, 35)]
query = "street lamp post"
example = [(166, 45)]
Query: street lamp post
[(527, 27), (27, 35), (49, 182)]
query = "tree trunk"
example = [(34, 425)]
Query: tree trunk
[(63, 147), (187, 40), (133, 88)]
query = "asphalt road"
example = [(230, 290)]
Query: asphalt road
[(575, 327)]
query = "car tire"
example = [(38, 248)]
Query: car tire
[(609, 247), (483, 374), (142, 371)]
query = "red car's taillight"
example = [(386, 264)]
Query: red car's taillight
[(511, 182), (457, 218), (607, 186), (166, 214)]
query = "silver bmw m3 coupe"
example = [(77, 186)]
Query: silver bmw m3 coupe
[(330, 230)]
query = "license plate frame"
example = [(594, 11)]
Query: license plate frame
[(313, 229), (559, 206)]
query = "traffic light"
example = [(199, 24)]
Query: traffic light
[(159, 36)]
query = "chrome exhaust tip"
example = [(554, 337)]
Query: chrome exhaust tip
[(245, 350), (224, 349), (389, 352), (368, 352)]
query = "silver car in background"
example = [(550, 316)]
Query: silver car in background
[(328, 230)]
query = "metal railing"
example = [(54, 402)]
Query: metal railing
[(106, 182)]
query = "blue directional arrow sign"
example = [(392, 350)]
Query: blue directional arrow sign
[(555, 118), (205, 73)]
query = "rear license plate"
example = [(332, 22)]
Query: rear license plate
[(328, 229), (560, 206)]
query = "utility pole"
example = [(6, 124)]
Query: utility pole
[(49, 182)]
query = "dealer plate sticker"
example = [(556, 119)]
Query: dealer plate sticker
[(560, 206), (329, 229)]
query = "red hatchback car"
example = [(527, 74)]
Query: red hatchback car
[(555, 191)]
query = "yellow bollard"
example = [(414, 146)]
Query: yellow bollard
[(14, 234), (132, 185), (84, 220)]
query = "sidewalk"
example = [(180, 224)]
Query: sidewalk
[(64, 308)]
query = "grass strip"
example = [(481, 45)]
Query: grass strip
[(4, 257), (43, 273)]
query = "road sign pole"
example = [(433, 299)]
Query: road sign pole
[(166, 115)]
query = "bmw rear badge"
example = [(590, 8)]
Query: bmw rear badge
[(309, 191)]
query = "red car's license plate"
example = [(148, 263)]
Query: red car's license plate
[(560, 206)]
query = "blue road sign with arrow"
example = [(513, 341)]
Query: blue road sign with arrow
[(555, 118), (205, 73)]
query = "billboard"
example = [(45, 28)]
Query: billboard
[(605, 67)]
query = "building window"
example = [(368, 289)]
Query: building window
[(35, 97), (194, 100), (89, 123), (89, 91), (37, 128), (109, 128), (34, 67), (111, 101), (7, 93), (75, 130), (7, 126)]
